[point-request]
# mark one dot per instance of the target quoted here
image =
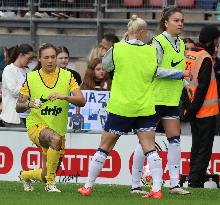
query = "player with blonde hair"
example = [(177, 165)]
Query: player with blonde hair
[(129, 106)]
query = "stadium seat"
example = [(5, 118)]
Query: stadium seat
[(204, 4), (185, 3), (156, 3), (133, 3)]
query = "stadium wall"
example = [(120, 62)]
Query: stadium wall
[(17, 152)]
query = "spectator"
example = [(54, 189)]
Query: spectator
[(97, 52), (63, 58), (3, 63), (95, 77), (3, 60), (108, 40), (10, 53), (106, 43), (13, 77), (202, 110), (216, 61), (189, 43)]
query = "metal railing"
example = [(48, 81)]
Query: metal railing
[(211, 6), (68, 5), (49, 5)]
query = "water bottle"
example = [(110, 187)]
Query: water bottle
[(210, 184)]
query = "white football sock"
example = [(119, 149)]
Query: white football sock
[(137, 167), (95, 168), (155, 165), (174, 158)]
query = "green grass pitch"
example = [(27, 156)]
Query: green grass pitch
[(12, 193)]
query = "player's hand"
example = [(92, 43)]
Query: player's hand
[(36, 103), (55, 96), (189, 92), (125, 37), (187, 74)]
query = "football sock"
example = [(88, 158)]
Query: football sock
[(174, 157), (32, 175), (137, 167), (53, 157), (155, 165), (95, 167)]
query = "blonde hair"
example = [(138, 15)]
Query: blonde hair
[(136, 24), (97, 52)]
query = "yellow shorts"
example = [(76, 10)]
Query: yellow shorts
[(33, 134)]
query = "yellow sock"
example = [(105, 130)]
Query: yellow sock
[(53, 157), (32, 174)]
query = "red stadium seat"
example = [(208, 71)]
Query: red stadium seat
[(134, 3), (185, 3), (156, 3)]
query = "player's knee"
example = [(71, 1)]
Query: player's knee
[(174, 140), (56, 143), (44, 142)]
